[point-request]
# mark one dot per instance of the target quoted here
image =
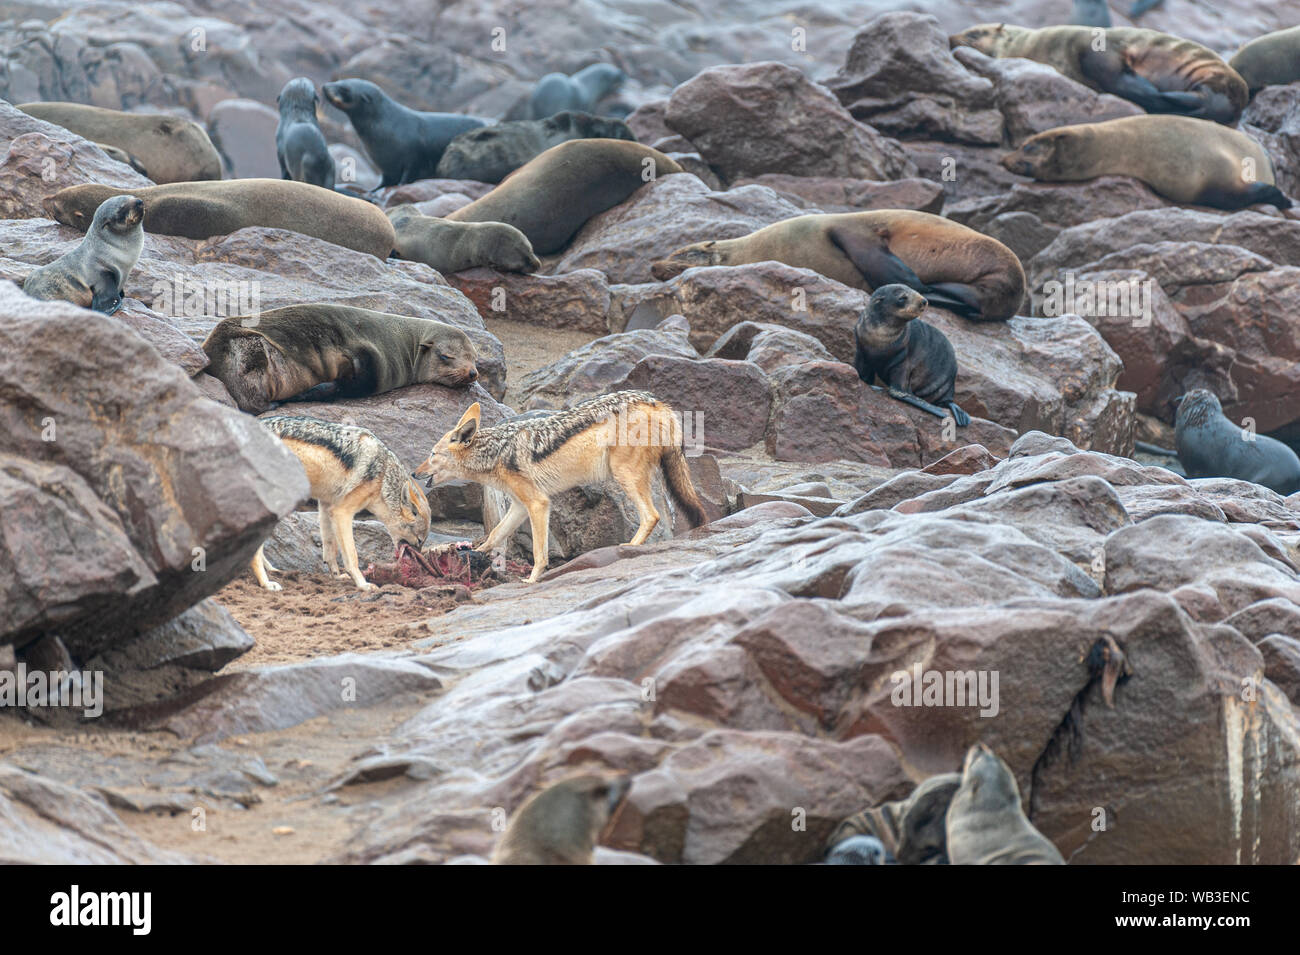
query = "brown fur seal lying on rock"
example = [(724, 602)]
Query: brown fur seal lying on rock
[(494, 152), (1210, 445), (456, 246), (1159, 72), (320, 352), (986, 825), (551, 197), (199, 210), (1186, 160), (92, 274), (914, 359), (168, 148), (561, 824), (953, 266), (1270, 60)]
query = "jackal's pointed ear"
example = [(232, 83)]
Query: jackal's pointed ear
[(467, 426)]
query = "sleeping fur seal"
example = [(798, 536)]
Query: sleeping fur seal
[(320, 352), (169, 148), (494, 152), (913, 358), (92, 274), (1269, 60), (953, 266), (404, 143), (456, 246), (199, 210), (1210, 445), (551, 197), (986, 825), (299, 143), (1183, 159), (1159, 72), (581, 91)]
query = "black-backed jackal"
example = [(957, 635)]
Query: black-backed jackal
[(626, 435), (350, 470)]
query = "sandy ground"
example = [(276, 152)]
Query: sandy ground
[(319, 615), (529, 348)]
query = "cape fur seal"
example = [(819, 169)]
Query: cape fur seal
[(299, 144), (551, 197), (581, 91), (320, 352), (457, 246), (912, 830), (1270, 60), (860, 850), (953, 266), (404, 143), (199, 210), (494, 152), (1159, 72), (1210, 445), (561, 824), (1183, 159), (913, 358), (92, 274), (169, 148), (986, 825)]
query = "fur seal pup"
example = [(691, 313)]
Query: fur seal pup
[(551, 197), (299, 144), (1159, 72), (1090, 13), (456, 246), (953, 266), (404, 143), (912, 830), (555, 92), (199, 210), (985, 823), (913, 358), (92, 274), (494, 152), (1183, 159), (1210, 445), (1269, 60), (170, 149), (561, 824), (321, 352)]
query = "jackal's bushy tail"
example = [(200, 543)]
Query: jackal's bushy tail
[(677, 475)]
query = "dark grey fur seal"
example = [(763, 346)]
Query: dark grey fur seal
[(404, 143), (914, 359), (456, 246), (92, 274), (494, 152), (1090, 13), (320, 352), (986, 825), (1210, 445), (299, 143), (581, 91)]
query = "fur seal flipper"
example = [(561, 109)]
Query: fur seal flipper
[(913, 358), (92, 275), (985, 823)]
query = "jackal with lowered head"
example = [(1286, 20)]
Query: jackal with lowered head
[(625, 436), (350, 470)]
